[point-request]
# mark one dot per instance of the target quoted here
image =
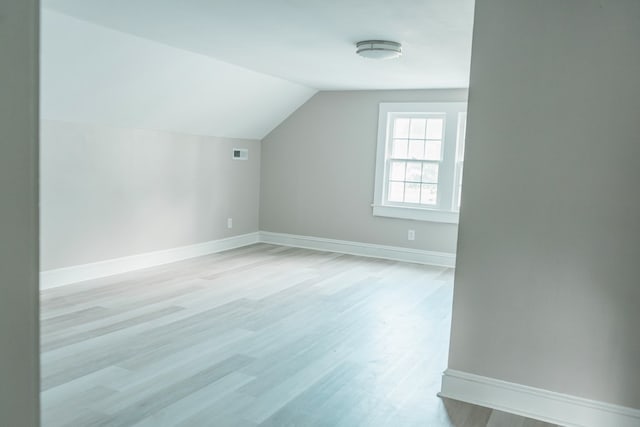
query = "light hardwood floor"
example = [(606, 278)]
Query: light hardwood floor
[(258, 336)]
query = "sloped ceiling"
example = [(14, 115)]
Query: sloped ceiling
[(94, 74), (310, 42), (237, 67)]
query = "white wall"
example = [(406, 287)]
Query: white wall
[(92, 74), (19, 367), (112, 192), (318, 171), (547, 287)]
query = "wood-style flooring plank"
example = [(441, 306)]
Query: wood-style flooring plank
[(257, 336)]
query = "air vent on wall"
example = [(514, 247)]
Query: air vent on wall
[(240, 154)]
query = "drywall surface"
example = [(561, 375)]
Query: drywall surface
[(19, 353), (92, 74), (318, 172), (111, 192), (310, 42), (547, 287)]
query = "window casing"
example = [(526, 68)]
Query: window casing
[(419, 160)]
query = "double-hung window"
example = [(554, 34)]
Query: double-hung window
[(419, 160)]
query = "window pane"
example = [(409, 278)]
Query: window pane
[(430, 172), (412, 193), (414, 171), (401, 128), (397, 171), (399, 149), (429, 194), (417, 128), (434, 129), (396, 191), (416, 149), (434, 150)]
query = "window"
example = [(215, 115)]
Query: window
[(420, 160)]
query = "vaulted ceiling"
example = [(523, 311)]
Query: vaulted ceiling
[(91, 74), (237, 67)]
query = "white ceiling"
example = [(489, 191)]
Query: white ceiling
[(310, 42), (92, 74)]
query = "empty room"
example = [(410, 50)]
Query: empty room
[(338, 213)]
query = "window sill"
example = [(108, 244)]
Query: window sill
[(417, 214)]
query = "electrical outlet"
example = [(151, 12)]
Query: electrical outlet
[(229, 222), (411, 235)]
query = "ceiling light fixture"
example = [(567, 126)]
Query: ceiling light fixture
[(378, 49)]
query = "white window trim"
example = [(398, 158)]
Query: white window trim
[(446, 184)]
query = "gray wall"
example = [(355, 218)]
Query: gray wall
[(19, 368), (318, 171), (547, 287), (111, 192)]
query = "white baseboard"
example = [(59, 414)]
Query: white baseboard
[(78, 273), (544, 405), (362, 249)]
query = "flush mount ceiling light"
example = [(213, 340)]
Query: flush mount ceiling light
[(378, 49)]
